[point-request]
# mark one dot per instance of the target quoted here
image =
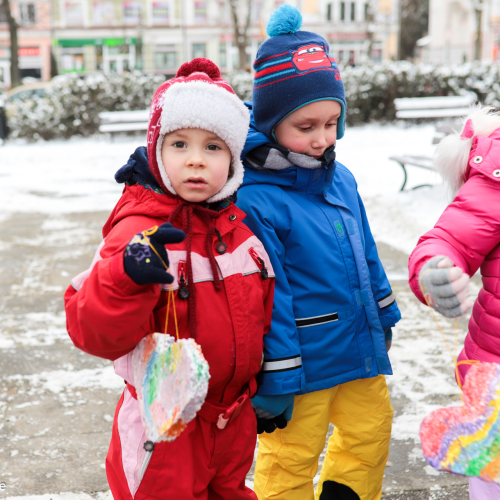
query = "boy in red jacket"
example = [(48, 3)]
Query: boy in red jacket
[(223, 284)]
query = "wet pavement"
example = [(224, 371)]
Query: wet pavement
[(57, 403)]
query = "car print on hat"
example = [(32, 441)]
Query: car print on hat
[(310, 57)]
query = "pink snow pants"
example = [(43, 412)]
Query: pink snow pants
[(483, 490)]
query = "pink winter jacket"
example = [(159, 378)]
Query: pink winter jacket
[(468, 232)]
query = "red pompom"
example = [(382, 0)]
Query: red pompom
[(200, 64)]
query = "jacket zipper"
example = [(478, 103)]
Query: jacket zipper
[(260, 263), (183, 290), (145, 463)]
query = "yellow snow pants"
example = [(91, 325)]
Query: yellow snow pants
[(357, 450)]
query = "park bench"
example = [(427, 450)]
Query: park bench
[(447, 108), (113, 122)]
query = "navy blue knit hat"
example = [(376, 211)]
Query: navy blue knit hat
[(293, 69)]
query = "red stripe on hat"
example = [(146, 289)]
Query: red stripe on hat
[(294, 76), (270, 57), (273, 69)]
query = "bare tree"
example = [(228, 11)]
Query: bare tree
[(414, 24), (15, 76), (241, 13), (370, 17), (478, 6)]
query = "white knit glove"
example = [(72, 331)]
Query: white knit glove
[(445, 287)]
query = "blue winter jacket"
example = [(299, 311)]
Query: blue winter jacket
[(332, 299)]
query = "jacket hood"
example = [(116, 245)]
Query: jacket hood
[(254, 137), (136, 171), (286, 177)]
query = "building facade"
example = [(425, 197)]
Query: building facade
[(34, 39), (352, 30), (453, 31), (156, 36)]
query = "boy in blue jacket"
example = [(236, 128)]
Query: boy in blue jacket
[(325, 356)]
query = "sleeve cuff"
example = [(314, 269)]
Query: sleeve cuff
[(388, 334)]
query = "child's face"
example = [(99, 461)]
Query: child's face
[(196, 162), (310, 129)]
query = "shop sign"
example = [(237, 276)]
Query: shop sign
[(110, 42), (29, 51)]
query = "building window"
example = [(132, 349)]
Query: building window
[(341, 55), (222, 54), (353, 11), (342, 11), (27, 14), (73, 13), (72, 60), (165, 57), (160, 13), (200, 12), (367, 7), (199, 50), (329, 12), (102, 13), (132, 13)]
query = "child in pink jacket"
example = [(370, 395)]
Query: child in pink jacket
[(467, 238)]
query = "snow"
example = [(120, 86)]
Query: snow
[(65, 496)]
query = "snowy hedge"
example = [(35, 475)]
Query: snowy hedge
[(371, 90), (72, 103)]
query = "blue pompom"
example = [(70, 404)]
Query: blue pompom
[(285, 19)]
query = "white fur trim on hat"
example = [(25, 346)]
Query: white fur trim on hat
[(198, 104), (452, 154)]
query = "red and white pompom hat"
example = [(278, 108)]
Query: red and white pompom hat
[(198, 98)]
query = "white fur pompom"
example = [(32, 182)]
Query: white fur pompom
[(452, 153)]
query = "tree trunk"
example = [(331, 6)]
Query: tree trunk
[(370, 21), (241, 32), (15, 76), (478, 45)]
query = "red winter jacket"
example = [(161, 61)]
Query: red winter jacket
[(108, 314)]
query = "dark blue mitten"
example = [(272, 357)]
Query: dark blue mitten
[(273, 412), (142, 263)]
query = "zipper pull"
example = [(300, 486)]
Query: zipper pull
[(260, 263), (183, 290)]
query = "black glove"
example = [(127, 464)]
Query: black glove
[(271, 424), (273, 412), (142, 264)]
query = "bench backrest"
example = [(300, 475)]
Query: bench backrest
[(141, 115), (433, 107)]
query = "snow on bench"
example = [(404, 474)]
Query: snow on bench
[(124, 121), (433, 107), (449, 107)]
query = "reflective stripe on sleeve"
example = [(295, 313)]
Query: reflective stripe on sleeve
[(387, 301), (282, 365)]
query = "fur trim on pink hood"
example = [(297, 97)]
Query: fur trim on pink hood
[(468, 231)]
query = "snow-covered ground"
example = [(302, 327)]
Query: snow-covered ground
[(64, 181)]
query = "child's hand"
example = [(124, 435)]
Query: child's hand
[(273, 411), (445, 287), (142, 263)]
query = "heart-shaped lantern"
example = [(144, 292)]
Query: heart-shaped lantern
[(465, 440), (171, 380)]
